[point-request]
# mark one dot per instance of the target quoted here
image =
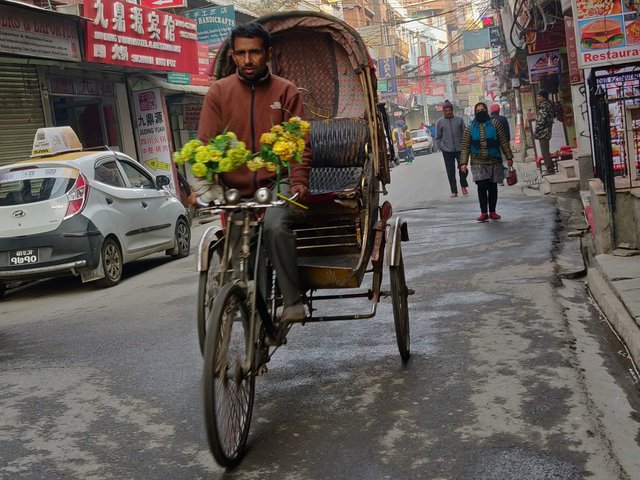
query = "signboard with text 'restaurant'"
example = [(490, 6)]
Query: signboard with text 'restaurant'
[(121, 33), (607, 32), (38, 35)]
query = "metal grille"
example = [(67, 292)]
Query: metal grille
[(21, 112)]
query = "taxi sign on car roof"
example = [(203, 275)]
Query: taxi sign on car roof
[(55, 140)]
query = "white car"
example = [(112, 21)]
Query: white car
[(422, 141), (84, 212)]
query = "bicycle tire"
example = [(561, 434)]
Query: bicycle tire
[(228, 376), (399, 301)]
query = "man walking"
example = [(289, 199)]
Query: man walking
[(449, 130), (544, 125), (494, 109)]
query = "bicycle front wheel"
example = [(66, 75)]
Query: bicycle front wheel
[(229, 380)]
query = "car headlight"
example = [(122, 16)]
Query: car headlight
[(232, 196), (263, 195)]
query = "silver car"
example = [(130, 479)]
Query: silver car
[(422, 141), (85, 213)]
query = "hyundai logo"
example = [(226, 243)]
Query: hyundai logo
[(19, 213)]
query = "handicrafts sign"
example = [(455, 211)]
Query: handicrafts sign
[(122, 33), (214, 23)]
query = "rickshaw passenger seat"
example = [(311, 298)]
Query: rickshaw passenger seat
[(338, 154)]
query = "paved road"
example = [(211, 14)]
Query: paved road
[(514, 375)]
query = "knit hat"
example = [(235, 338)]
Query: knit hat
[(544, 94), (447, 104), (494, 108)]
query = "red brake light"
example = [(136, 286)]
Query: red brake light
[(77, 196)]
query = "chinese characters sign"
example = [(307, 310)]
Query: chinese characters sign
[(38, 35), (121, 33), (214, 23), (607, 32), (153, 138)]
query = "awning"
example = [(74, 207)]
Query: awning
[(171, 87)]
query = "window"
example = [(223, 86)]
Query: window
[(108, 173), (137, 177)]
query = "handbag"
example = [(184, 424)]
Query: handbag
[(512, 177)]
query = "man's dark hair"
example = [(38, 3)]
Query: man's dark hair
[(251, 30)]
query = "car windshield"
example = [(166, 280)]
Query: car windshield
[(35, 184), (419, 134)]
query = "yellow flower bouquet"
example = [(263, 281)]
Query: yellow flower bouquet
[(222, 154), (281, 145)]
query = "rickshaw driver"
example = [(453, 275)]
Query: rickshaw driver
[(249, 103)]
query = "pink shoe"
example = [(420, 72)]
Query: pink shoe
[(494, 216), (483, 217), (465, 191), (454, 195)]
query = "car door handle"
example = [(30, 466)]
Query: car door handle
[(109, 200), (144, 204)]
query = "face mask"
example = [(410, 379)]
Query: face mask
[(482, 116)]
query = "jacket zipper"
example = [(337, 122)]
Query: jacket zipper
[(253, 134)]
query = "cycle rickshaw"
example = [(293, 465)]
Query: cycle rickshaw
[(345, 234)]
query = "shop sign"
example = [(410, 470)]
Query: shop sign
[(163, 3), (424, 71), (547, 63), (59, 85), (153, 137), (575, 74), (191, 116), (437, 89), (214, 23), (475, 39), (38, 35), (120, 33), (607, 32), (201, 78), (387, 71)]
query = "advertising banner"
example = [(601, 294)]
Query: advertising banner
[(153, 138), (214, 23), (163, 3), (474, 39), (202, 77), (424, 71), (546, 63), (387, 71), (120, 33), (38, 35), (607, 32), (575, 74)]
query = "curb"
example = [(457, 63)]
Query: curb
[(615, 312)]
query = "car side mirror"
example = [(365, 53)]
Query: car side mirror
[(162, 181)]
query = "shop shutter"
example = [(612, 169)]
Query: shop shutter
[(21, 112)]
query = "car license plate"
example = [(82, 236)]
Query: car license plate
[(23, 257)]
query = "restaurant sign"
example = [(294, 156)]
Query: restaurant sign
[(607, 32), (38, 35), (121, 33)]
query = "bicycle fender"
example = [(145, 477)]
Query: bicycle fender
[(211, 235), (396, 233)]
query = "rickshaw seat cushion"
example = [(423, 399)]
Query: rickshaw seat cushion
[(338, 143), (325, 180)]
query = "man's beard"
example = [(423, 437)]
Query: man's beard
[(257, 75)]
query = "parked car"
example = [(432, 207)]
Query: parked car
[(422, 141), (83, 212)]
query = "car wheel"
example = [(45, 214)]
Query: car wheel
[(182, 239), (111, 259), (3, 288)]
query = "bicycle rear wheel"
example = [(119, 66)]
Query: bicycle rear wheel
[(229, 380), (399, 301), (209, 284)]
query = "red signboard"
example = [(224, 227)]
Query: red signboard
[(575, 74), (163, 3), (121, 33)]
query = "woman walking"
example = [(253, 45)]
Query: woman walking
[(482, 141)]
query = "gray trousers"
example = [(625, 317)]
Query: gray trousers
[(280, 243), (546, 154)]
